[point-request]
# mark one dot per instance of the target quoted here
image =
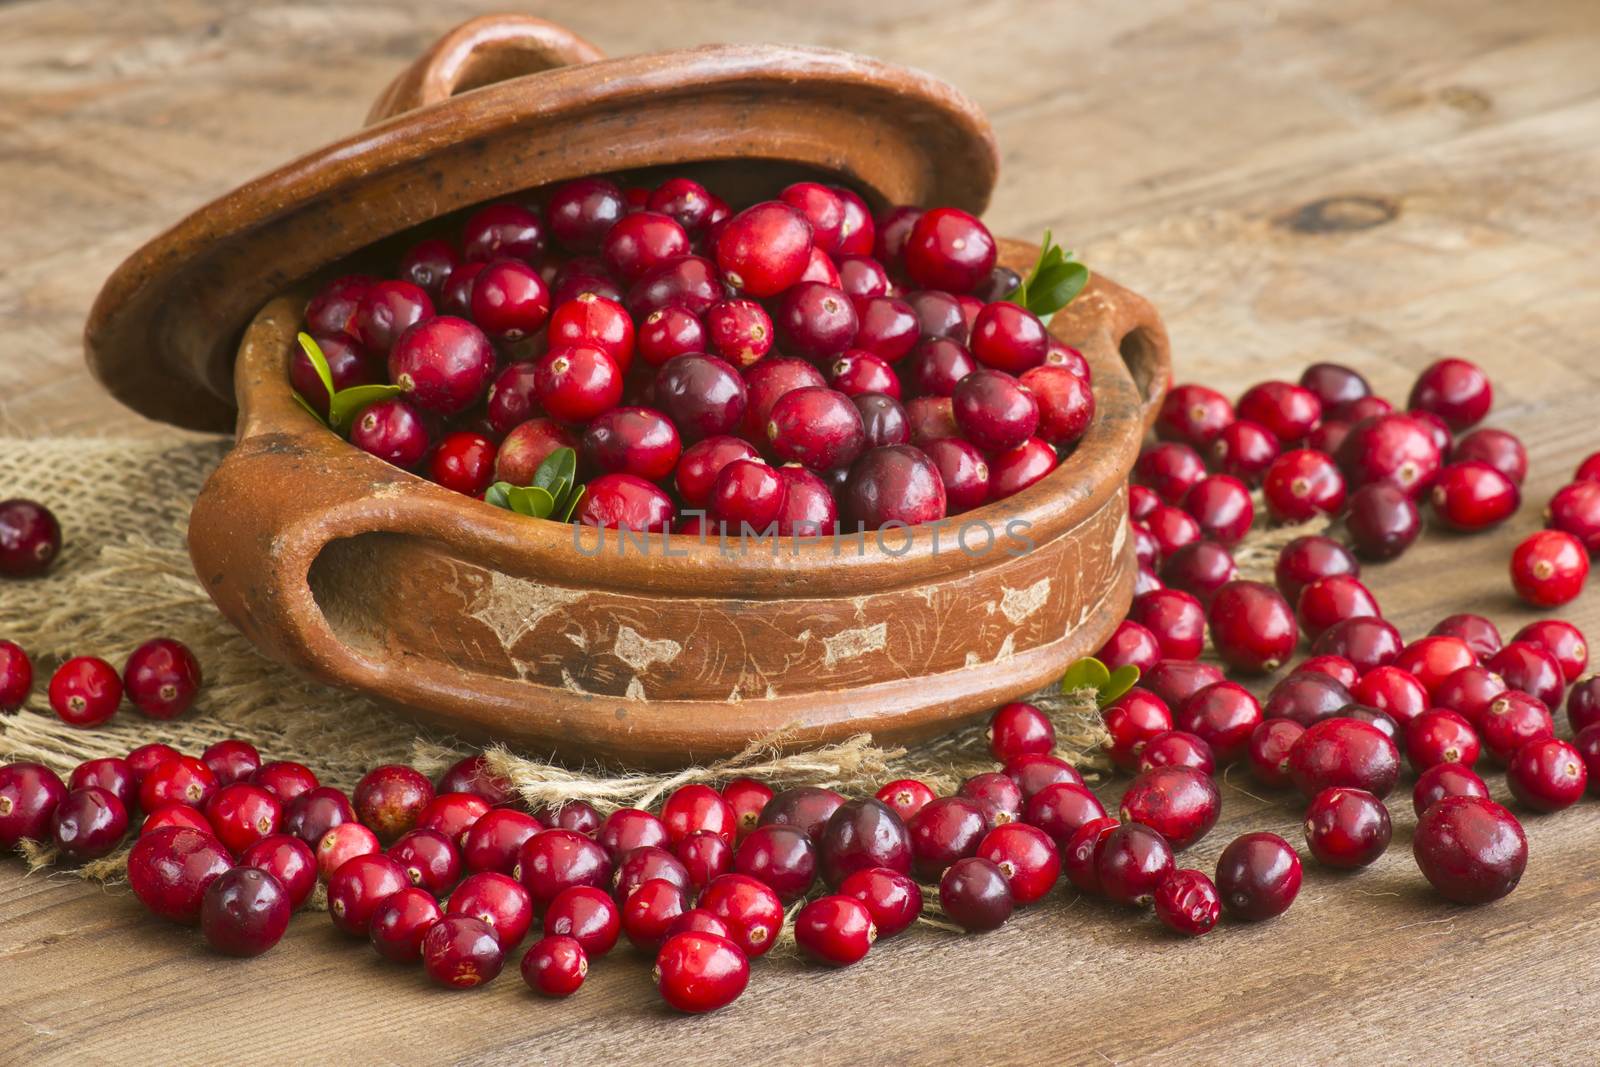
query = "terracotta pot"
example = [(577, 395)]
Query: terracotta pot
[(652, 650)]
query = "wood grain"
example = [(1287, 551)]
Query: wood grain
[(1373, 182)]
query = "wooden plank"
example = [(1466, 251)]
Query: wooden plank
[(1452, 152)]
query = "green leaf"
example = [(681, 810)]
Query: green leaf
[(347, 403), (1087, 673), (532, 501), (557, 471), (499, 494), (1122, 679), (319, 362), (1054, 282), (566, 510)]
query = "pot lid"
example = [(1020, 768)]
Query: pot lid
[(499, 105)]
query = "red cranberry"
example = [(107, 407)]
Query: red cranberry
[(333, 310), (858, 372), (752, 912), (176, 815), (1068, 358), (1306, 559), (1245, 450), (1455, 390), (948, 249), (555, 966), (806, 808), (747, 494), (1344, 752), (747, 797), (700, 972), (818, 427), (1471, 849), (284, 779), (593, 320), (993, 410), (88, 823), (816, 321), (646, 863), (1330, 433), (1475, 496), (577, 383), (1199, 568), (693, 808), (764, 249), (1079, 852), (510, 302), (974, 894), (856, 231), (30, 538), (1394, 691), (1188, 903), (887, 327), (290, 861), (1061, 809), (1019, 729), (1268, 750), (16, 677), (1130, 861), (581, 211), (527, 446), (494, 840), (642, 241), (401, 922), (391, 430), (244, 912), (1546, 775), (1366, 407), (1289, 411), (461, 952), (1066, 403), (1562, 640), (1549, 568), (626, 829), (1175, 618), (1013, 471), (1032, 773), (1193, 414), (455, 296), (1382, 521), (943, 831), (177, 780), (1180, 803), (1252, 627), (1173, 681), (1338, 668), (1583, 704), (315, 812), (893, 229), (1347, 828), (242, 815), (1171, 469), (1390, 449), (1008, 338), (863, 834), (1334, 383), (1146, 549), (1130, 643), (586, 915), (1178, 748), (503, 229), (906, 796), (1222, 507), (1026, 856), (553, 860), (389, 799), (1588, 745), (113, 775), (1132, 720), (705, 855), (1302, 484), (997, 794), (453, 814), (463, 462), (429, 858), (1331, 600), (1532, 670), (1499, 449), (169, 870), (1385, 723), (936, 366), (162, 677), (891, 898), (895, 483), (1512, 720), (1469, 692), (1223, 715), (702, 395), (386, 311), (637, 441), (499, 901), (836, 930), (1445, 780), (1437, 429), (343, 843), (1258, 876), (85, 691), (862, 277), (625, 502), (1366, 642)]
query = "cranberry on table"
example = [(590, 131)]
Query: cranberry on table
[(177, 780), (862, 834), (1306, 559), (1474, 496), (315, 812), (1562, 640), (389, 798), (1130, 861), (1347, 828), (1395, 450), (1434, 658), (85, 691), (169, 870), (1588, 745), (243, 814), (1223, 716), (1193, 414), (892, 898), (1531, 669), (1445, 780), (1175, 618), (1180, 803), (783, 858), (555, 966), (1061, 809), (16, 677), (161, 678), (392, 431), (640, 865), (1170, 529), (1499, 449), (1268, 751), (1289, 411), (836, 930), (906, 796), (1394, 691), (1440, 736), (1471, 849), (88, 823), (1337, 668), (1344, 752), (244, 912), (553, 860), (1382, 521), (1366, 407), (359, 887), (1221, 505), (1130, 643), (1026, 856), (700, 972), (1173, 681), (1079, 853), (858, 372), (1019, 729), (110, 773), (1334, 383), (1512, 720), (1455, 390), (1199, 568), (747, 797), (1331, 600), (1583, 703), (342, 844), (1548, 568), (401, 922), (1469, 692), (1187, 902), (1575, 509), (1171, 469), (997, 794), (284, 779), (1547, 775), (1252, 626), (751, 910), (1302, 484), (460, 952), (30, 538), (176, 815), (1480, 634), (705, 855), (289, 860), (494, 839), (1245, 450), (944, 831), (498, 900), (1258, 876), (974, 894)]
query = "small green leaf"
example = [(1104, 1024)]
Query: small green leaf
[(1122, 679), (1054, 282), (567, 509), (1087, 673), (319, 362), (532, 501), (347, 403), (557, 471), (499, 494)]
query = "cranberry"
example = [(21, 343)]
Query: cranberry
[(1171, 469), (430, 860), (1222, 507), (1008, 338), (333, 310), (836, 930), (1583, 704), (894, 483), (1545, 775), (1394, 691), (1306, 559), (1499, 449), (461, 952), (1445, 780), (1549, 568), (284, 779), (1469, 691), (943, 831), (1130, 861), (646, 863), (242, 815), (343, 843), (1130, 643), (1245, 450), (393, 431), (244, 912), (586, 915), (1302, 484), (993, 410), (1146, 549), (30, 538), (85, 691), (1532, 670), (1252, 626), (816, 321), (88, 823), (1366, 642), (1289, 411), (1390, 449), (748, 494), (1199, 568), (555, 966), (1258, 876), (1079, 852), (625, 502), (1033, 773), (1178, 748), (974, 894), (747, 797), (169, 870), (581, 212), (1027, 858), (887, 328), (593, 320), (1193, 414), (669, 332), (703, 462), (289, 861), (510, 302), (997, 794), (858, 372), (463, 462), (577, 383), (503, 229), (494, 840), (1588, 745), (1471, 849), (1132, 720), (637, 441), (1437, 430), (781, 857), (553, 860), (764, 249), (863, 834), (702, 395), (862, 278), (1455, 390), (1334, 383), (1347, 828), (1268, 750), (1013, 471), (700, 972), (455, 296), (177, 780), (1479, 633), (1061, 808), (937, 366), (1382, 521), (1223, 715), (315, 812), (705, 855), (1066, 403), (1174, 618), (1338, 668), (113, 775), (1475, 496), (161, 678), (949, 249), (1019, 729), (1366, 407), (499, 901), (642, 241), (893, 229), (1512, 720), (16, 677), (1174, 681), (892, 900), (527, 446), (750, 909), (389, 799), (906, 796), (818, 427), (387, 310), (176, 815), (806, 808), (1187, 902), (1180, 803), (1344, 752), (401, 922), (1331, 600), (1069, 359), (1384, 722), (1562, 640)]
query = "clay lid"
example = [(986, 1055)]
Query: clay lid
[(499, 105)]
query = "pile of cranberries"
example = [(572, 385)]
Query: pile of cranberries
[(161, 678), (1328, 446), (798, 365)]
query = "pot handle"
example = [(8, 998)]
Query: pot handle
[(1142, 339), (481, 51)]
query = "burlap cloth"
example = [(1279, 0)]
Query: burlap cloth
[(124, 576)]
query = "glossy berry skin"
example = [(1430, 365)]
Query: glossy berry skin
[(444, 365), (693, 808), (527, 446), (1187, 902), (177, 780), (1334, 383), (1327, 601), (1583, 703), (16, 677), (348, 366), (747, 797), (401, 922), (393, 431), (1344, 752), (1173, 681), (1499, 449), (764, 249), (1434, 658), (1302, 484), (1180, 803), (1176, 619), (1289, 411), (555, 966), (1439, 736), (512, 398), (1549, 568), (161, 678), (1222, 715), (113, 775), (1469, 692), (1169, 529), (702, 395), (1445, 780), (1252, 627), (243, 814), (1347, 828), (1018, 729), (1171, 469), (176, 815), (996, 794), (1471, 849), (625, 502), (700, 972), (30, 538), (944, 831), (974, 894), (1193, 414), (1245, 450), (1474, 496), (1382, 521), (244, 912), (861, 834), (1199, 568), (493, 841), (1009, 338), (906, 796), (817, 427), (500, 230), (463, 463), (577, 383), (1392, 449), (1306, 559), (359, 887), (587, 915), (892, 898), (170, 868), (705, 856), (1455, 390), (1258, 876), (1394, 691), (836, 930), (993, 410), (287, 859), (581, 211), (1026, 856), (460, 952), (553, 860), (1268, 751), (1130, 862), (640, 865), (1563, 641), (284, 779), (1078, 853), (1588, 745), (1337, 668), (1014, 470), (85, 691), (1222, 507), (894, 483), (1531, 669), (1061, 809), (1481, 636), (1066, 403), (386, 311), (388, 799), (88, 823), (1512, 720), (806, 808), (343, 843), (950, 250), (1547, 775), (1130, 643), (316, 811), (497, 899), (751, 910)]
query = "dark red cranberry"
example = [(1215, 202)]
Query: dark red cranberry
[(1223, 715), (1130, 643), (461, 952), (626, 829), (389, 799), (1306, 698), (1033, 772), (1306, 559), (703, 462), (642, 241), (1258, 876), (1301, 485), (884, 422), (862, 277), (1079, 852), (1289, 411), (764, 249), (88, 823), (169, 870), (1354, 411), (1175, 618), (816, 321), (1512, 720), (348, 366), (862, 834), (993, 410), (1347, 828), (555, 966), (553, 860), (648, 863), (1471, 849), (806, 808), (705, 856), (751, 910), (287, 859), (503, 229), (1455, 390), (858, 372), (1583, 704), (1066, 403), (1244, 450), (1382, 521), (1008, 338), (893, 228), (1013, 471), (1268, 750), (1173, 681), (16, 677), (886, 327), (1180, 803), (768, 382), (1061, 809), (110, 773), (891, 898), (702, 395), (1199, 568), (974, 894), (1481, 635), (1193, 414), (1178, 748), (510, 302), (315, 812), (582, 211), (856, 231), (997, 794), (936, 366), (1390, 449), (386, 311), (1588, 745), (497, 899), (455, 297), (1252, 627), (1531, 669), (1130, 861), (1469, 692), (1171, 469), (1475, 496), (429, 858), (1546, 775), (1499, 449), (939, 315), (1366, 642), (1344, 752), (393, 431), (1338, 668), (1329, 435), (1187, 902), (1334, 383), (177, 780), (948, 249), (472, 775), (817, 427), (401, 922), (1445, 780), (85, 691), (1440, 736), (1385, 723), (493, 841), (894, 483), (284, 779), (332, 312), (1146, 550), (700, 972), (944, 831), (244, 912), (1221, 505), (1549, 568)]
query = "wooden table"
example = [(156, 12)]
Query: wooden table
[(1375, 183)]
